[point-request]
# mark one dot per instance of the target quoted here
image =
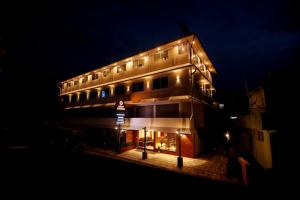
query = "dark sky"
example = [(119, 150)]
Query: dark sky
[(60, 39)]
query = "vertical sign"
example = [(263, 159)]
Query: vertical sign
[(120, 112)]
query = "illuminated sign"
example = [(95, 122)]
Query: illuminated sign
[(120, 114)]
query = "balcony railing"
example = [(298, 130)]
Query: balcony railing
[(149, 66)]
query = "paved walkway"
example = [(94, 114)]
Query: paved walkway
[(210, 167)]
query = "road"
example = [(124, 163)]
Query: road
[(60, 170)]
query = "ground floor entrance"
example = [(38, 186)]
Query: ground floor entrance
[(157, 141)]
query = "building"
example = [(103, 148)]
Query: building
[(257, 135), (166, 89)]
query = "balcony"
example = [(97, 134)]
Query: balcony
[(149, 66)]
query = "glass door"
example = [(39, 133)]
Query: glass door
[(149, 140)]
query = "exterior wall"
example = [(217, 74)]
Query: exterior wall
[(187, 145), (198, 144), (260, 139), (262, 148), (199, 114), (131, 136)]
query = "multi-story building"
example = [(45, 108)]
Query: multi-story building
[(165, 89)]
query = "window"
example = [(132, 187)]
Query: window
[(138, 63), (94, 76), (167, 110), (144, 111), (85, 79), (76, 82), (161, 55), (120, 90), (82, 96), (121, 68), (181, 49), (106, 72), (69, 84), (160, 83), (65, 99), (74, 98), (93, 94), (105, 92), (166, 141), (139, 86)]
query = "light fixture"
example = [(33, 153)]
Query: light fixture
[(112, 91), (227, 135), (193, 42), (178, 79), (148, 84), (128, 88)]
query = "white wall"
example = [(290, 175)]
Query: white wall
[(262, 148)]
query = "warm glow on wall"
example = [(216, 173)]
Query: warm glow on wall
[(111, 90), (193, 42), (98, 92), (128, 88), (158, 134), (148, 84), (78, 95), (178, 41), (158, 49), (177, 79), (88, 94)]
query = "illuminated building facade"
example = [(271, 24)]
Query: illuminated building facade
[(165, 89)]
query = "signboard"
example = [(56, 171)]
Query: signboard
[(120, 112)]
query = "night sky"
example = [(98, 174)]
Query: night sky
[(49, 41)]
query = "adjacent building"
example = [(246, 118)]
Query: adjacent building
[(165, 90)]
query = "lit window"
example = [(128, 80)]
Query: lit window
[(94, 76), (69, 84), (85, 79), (138, 63), (121, 68), (161, 55), (106, 72), (76, 82), (166, 141)]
